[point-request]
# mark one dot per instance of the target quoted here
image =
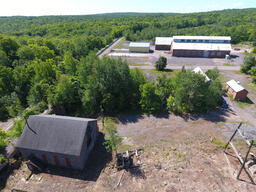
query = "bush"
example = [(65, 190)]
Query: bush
[(3, 160), (3, 139), (249, 63), (111, 136), (161, 64)]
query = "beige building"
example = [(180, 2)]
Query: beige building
[(139, 47)]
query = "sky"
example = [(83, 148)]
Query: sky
[(84, 7)]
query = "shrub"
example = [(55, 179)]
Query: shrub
[(3, 139), (161, 64), (249, 63), (111, 136), (3, 160)]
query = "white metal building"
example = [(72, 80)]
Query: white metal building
[(198, 70), (163, 43), (139, 47), (201, 46)]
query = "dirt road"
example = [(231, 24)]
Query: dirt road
[(190, 67)]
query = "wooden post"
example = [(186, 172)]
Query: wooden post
[(245, 159), (232, 136)]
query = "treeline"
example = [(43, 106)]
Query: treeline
[(239, 24), (39, 74)]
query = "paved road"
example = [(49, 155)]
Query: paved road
[(190, 67), (108, 50)]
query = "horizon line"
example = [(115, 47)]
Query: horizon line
[(136, 12)]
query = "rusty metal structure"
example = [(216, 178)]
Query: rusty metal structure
[(249, 138)]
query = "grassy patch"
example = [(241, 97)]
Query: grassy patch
[(167, 72), (179, 155), (243, 104), (228, 64), (166, 154), (122, 148), (218, 143), (138, 64), (121, 44), (253, 86)]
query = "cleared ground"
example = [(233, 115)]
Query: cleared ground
[(148, 60), (180, 154)]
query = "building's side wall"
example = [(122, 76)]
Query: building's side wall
[(50, 158), (163, 47), (242, 95), (139, 49), (231, 91), (200, 53), (87, 149)]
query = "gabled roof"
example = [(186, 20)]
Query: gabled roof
[(139, 44), (198, 70), (163, 41), (235, 86), (56, 134), (202, 46)]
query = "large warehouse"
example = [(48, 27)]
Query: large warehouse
[(163, 43), (201, 46), (138, 47)]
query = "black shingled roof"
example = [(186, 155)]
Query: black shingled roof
[(52, 133)]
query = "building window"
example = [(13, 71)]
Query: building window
[(200, 41), (182, 40), (44, 157), (68, 162), (206, 41), (56, 160)]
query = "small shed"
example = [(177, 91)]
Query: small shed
[(236, 90), (198, 70), (137, 47), (58, 140), (163, 43)]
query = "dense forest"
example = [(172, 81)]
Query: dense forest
[(52, 60)]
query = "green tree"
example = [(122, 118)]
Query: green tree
[(6, 81), (150, 102), (10, 47), (70, 64), (161, 63), (63, 94), (4, 61), (213, 73)]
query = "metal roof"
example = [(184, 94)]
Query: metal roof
[(56, 134), (202, 46), (139, 44), (228, 38), (235, 86), (198, 70), (163, 41)]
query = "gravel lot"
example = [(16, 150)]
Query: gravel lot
[(174, 62)]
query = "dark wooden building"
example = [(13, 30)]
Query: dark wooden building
[(58, 140), (163, 43)]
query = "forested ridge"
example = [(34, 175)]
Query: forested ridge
[(52, 60)]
